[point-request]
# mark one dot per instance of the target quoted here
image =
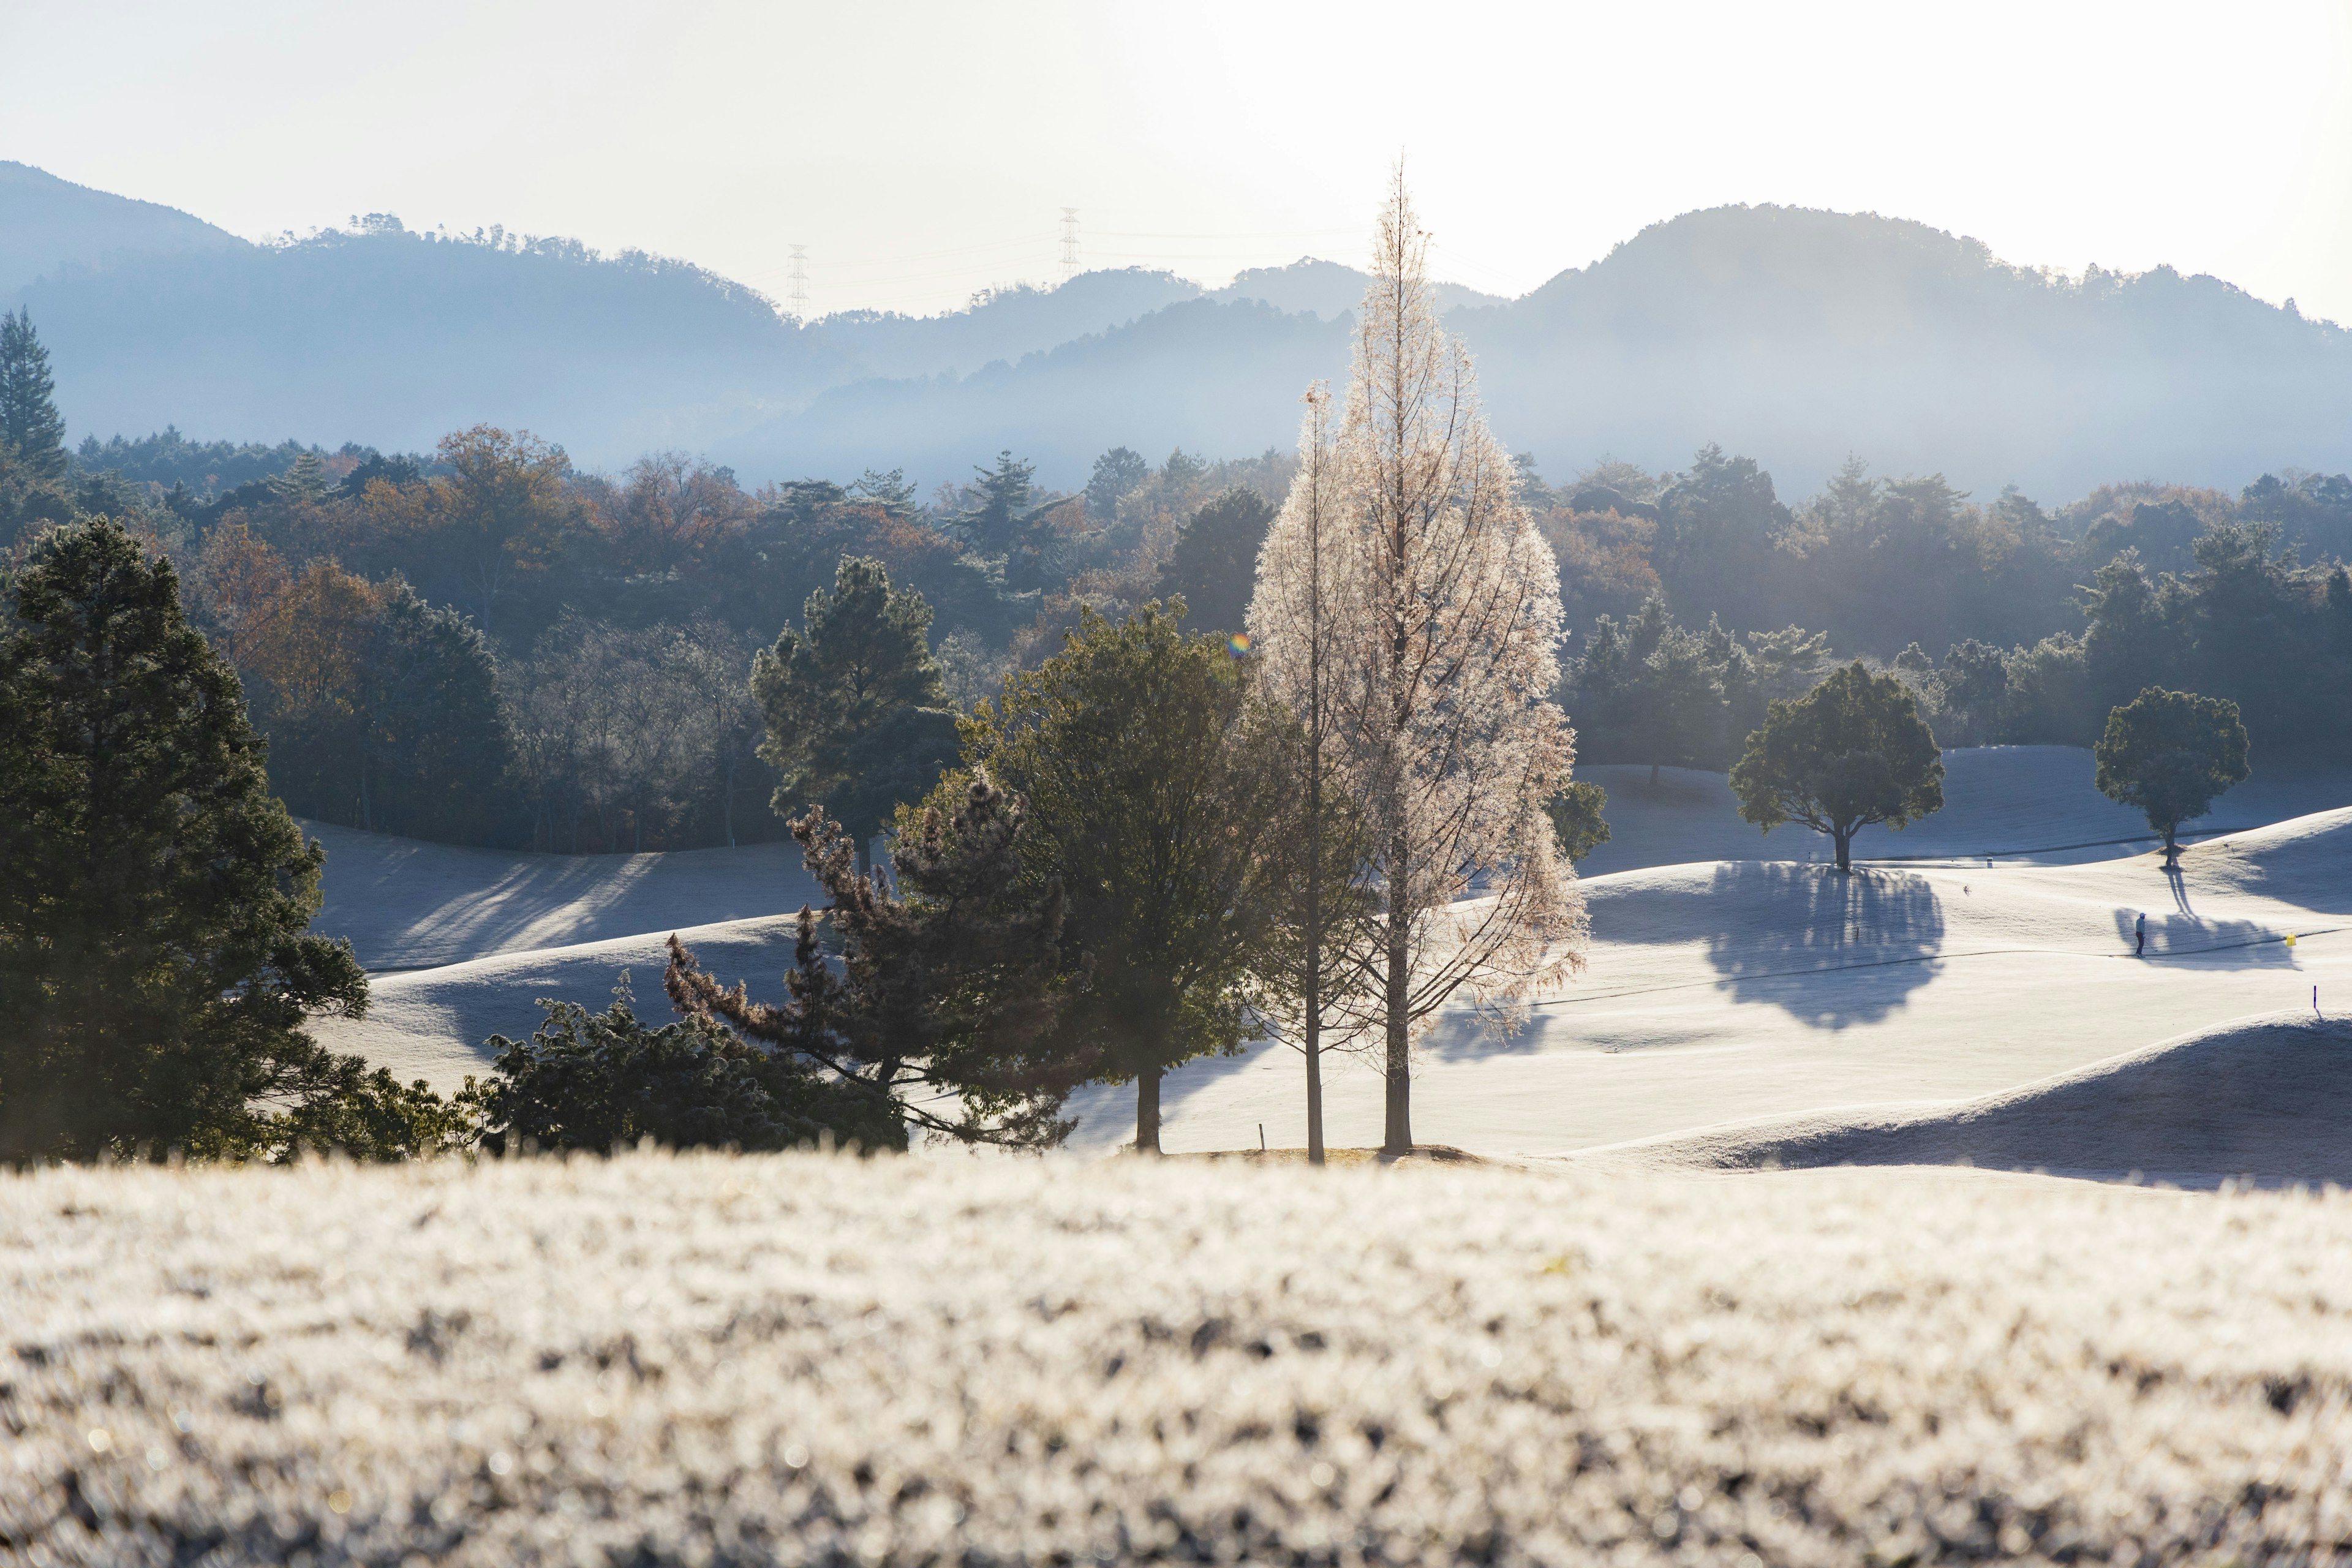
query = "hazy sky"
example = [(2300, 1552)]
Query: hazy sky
[(923, 150)]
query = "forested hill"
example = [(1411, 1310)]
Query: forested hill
[(1794, 336), (1807, 335), (1798, 336), (48, 226)]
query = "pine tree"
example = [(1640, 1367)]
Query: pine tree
[(939, 1016), (855, 704), (1145, 807), (31, 431), (155, 969), (1444, 716)]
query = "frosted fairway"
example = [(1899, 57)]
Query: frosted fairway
[(407, 904), (1728, 991), (1726, 987)]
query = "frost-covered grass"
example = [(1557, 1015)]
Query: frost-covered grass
[(799, 1358)]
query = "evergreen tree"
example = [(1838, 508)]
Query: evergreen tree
[(32, 431), (940, 1017), (1005, 494), (1852, 752), (1577, 821), (1116, 473), (155, 969), (1158, 826), (602, 1080), (856, 708), (1214, 562), (2171, 754)]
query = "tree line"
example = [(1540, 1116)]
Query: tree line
[(496, 648)]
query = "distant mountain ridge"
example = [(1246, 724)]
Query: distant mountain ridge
[(50, 226), (1791, 335)]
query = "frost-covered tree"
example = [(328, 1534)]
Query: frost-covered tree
[(1446, 632), (1297, 614)]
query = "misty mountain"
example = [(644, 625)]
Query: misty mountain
[(1799, 336), (395, 338), (1328, 289), (48, 225), (1793, 336)]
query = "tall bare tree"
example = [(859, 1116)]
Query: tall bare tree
[(1444, 624), (1294, 618)]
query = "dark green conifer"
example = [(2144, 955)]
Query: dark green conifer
[(31, 430), (155, 969), (856, 710)]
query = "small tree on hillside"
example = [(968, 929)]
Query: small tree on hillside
[(2171, 754), (1157, 825), (155, 967), (855, 708), (1852, 752)]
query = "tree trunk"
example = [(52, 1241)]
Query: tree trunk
[(1397, 1139), (864, 858), (1314, 1030), (1845, 837), (729, 807), (2171, 846), (1147, 1111), (1654, 775)]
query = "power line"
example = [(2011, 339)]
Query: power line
[(1069, 243)]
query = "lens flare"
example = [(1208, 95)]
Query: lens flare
[(1238, 645)]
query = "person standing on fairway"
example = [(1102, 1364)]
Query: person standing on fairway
[(2140, 934)]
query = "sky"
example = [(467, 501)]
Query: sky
[(922, 152)]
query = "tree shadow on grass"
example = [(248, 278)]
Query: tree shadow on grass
[(1827, 950), (2184, 934)]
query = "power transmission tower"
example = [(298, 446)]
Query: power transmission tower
[(1069, 243), (798, 295)]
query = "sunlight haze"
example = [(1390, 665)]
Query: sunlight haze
[(923, 151)]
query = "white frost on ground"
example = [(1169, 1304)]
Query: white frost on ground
[(2034, 802), (1720, 991), (2268, 1100), (407, 904), (800, 1359)]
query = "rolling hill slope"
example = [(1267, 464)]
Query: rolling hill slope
[(1719, 991)]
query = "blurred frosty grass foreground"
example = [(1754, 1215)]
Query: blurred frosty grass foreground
[(798, 1358)]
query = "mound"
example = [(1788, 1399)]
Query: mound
[(1726, 992), (2268, 1099), (733, 1360), (432, 1022), (2032, 804), (407, 904)]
